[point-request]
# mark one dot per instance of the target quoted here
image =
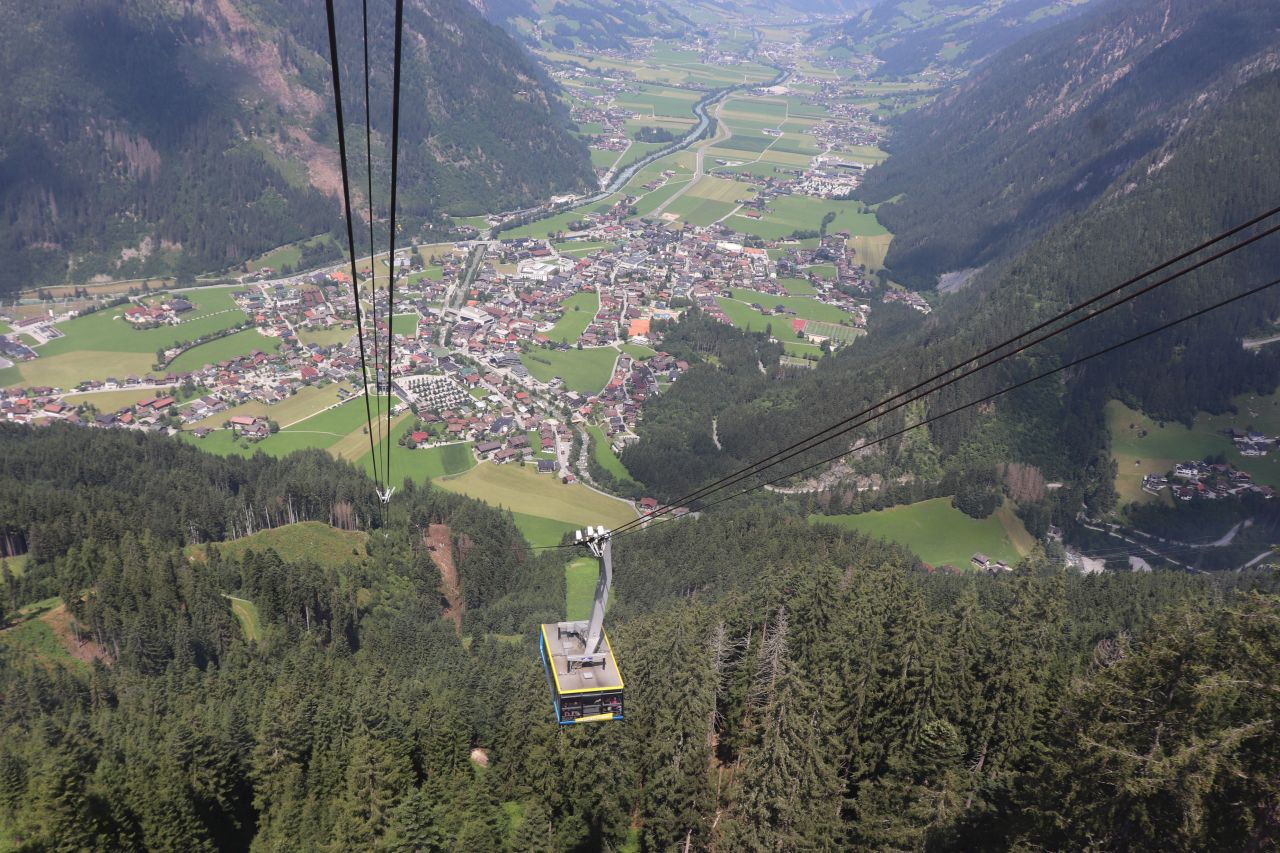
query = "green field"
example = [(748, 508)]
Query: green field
[(939, 533), (325, 337), (1165, 445), (579, 310), (34, 639), (16, 565), (542, 531), (427, 463), (797, 287), (523, 490), (106, 331), (310, 541), (247, 615), (585, 370), (580, 576), (699, 211), (604, 454), (805, 307), (803, 213), (223, 349)]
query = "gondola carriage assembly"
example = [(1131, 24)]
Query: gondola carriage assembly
[(582, 674)]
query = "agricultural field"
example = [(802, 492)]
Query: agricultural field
[(309, 401), (311, 541), (604, 454), (579, 310), (580, 576), (798, 286), (107, 331), (585, 370), (420, 464), (804, 213), (113, 401), (523, 490), (325, 337), (1142, 446), (870, 250), (69, 369), (541, 531), (406, 324), (805, 307), (939, 533), (232, 346)]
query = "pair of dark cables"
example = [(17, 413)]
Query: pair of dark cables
[(382, 479)]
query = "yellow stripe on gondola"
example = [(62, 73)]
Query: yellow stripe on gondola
[(595, 718), (546, 639)]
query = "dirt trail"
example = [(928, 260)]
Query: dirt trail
[(439, 541), (85, 650)]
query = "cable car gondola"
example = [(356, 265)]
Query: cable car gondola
[(582, 674)]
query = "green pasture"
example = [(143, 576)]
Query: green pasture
[(939, 533), (586, 370), (421, 464), (223, 349), (522, 489), (309, 541), (579, 310), (604, 454), (542, 531)]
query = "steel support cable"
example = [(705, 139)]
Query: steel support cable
[(391, 255), (1074, 363), (373, 253), (351, 241), (851, 423)]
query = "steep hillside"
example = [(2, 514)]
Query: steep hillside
[(912, 35), (1048, 125), (595, 24), (157, 136)]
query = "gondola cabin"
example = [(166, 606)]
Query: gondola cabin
[(580, 692)]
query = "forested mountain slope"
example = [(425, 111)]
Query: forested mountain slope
[(1050, 124), (789, 688), (155, 136), (909, 36)]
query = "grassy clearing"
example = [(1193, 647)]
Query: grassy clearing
[(700, 211), (113, 401), (580, 576), (1164, 445), (310, 541), (542, 531), (247, 615), (421, 464), (586, 370), (17, 565), (805, 307), (604, 454), (939, 533), (869, 250), (579, 310), (325, 337), (308, 401), (525, 491), (223, 349), (107, 331), (71, 368), (34, 639), (803, 213)]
